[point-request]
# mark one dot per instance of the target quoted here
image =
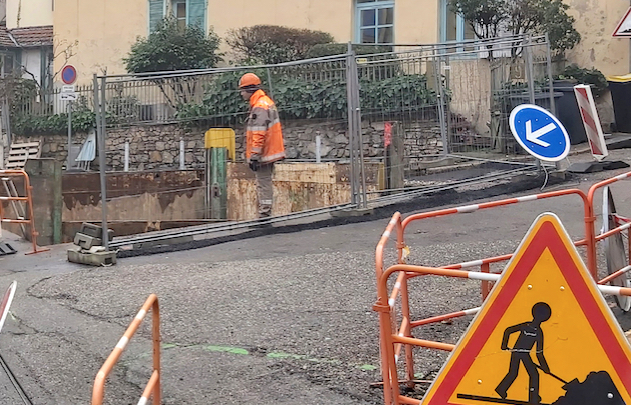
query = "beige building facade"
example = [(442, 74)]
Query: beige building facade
[(28, 13), (105, 30), (596, 21)]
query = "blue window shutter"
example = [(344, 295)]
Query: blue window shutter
[(197, 13), (156, 13)]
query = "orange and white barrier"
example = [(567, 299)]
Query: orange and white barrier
[(395, 322), (593, 129), (153, 386)]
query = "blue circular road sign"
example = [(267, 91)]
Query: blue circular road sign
[(68, 74), (539, 132)]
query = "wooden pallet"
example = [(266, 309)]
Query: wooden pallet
[(21, 152)]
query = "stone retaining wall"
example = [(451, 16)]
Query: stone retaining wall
[(158, 146)]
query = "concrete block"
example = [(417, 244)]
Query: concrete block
[(95, 231), (104, 258), (86, 241)]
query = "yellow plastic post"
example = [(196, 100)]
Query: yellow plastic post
[(221, 138)]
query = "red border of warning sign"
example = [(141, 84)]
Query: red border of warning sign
[(615, 32), (546, 237)]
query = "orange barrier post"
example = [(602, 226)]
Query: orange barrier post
[(589, 226), (28, 199), (391, 338), (153, 386)]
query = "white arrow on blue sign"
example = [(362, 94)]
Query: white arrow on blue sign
[(539, 132)]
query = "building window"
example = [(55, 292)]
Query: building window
[(186, 12), (179, 12), (8, 62), (375, 21), (453, 27)]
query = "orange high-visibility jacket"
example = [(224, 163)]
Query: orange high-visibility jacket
[(264, 134)]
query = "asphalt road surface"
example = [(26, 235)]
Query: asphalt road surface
[(278, 319)]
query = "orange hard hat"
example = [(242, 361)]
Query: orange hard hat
[(249, 79)]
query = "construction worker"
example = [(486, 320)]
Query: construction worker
[(264, 139)]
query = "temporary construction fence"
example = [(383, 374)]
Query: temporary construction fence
[(406, 111), (393, 303), (153, 389)]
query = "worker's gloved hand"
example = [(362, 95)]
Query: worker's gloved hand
[(254, 163)]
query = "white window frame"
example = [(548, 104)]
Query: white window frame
[(376, 5), (174, 10), (460, 23), (460, 27)]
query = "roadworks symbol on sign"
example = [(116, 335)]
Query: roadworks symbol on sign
[(545, 335)]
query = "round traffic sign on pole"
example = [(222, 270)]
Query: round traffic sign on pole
[(68, 74), (539, 132)]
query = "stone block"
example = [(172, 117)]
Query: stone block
[(103, 258), (85, 241)]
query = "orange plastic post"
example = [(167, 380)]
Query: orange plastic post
[(153, 386)]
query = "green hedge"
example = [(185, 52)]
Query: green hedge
[(297, 99)]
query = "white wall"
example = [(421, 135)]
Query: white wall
[(31, 61)]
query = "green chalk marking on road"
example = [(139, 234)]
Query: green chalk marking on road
[(272, 355), (367, 367), (281, 355), (226, 349)]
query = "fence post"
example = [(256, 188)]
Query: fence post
[(351, 121), (441, 106), (99, 108), (530, 78)]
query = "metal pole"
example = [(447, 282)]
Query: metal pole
[(530, 78), (182, 154), (69, 132), (126, 156), (318, 152), (553, 107), (101, 122), (351, 121), (529, 72), (441, 107), (358, 121)]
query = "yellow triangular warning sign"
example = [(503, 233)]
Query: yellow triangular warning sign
[(545, 335)]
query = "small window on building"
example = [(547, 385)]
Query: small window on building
[(185, 12), (453, 27), (375, 21), (179, 12), (8, 64)]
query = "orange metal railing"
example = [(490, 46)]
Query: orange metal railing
[(396, 334), (153, 386), (26, 197)]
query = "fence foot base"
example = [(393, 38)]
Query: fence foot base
[(353, 212), (591, 167)]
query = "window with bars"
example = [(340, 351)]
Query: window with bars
[(375, 21), (186, 12)]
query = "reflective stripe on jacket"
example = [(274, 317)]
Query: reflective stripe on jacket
[(264, 134)]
